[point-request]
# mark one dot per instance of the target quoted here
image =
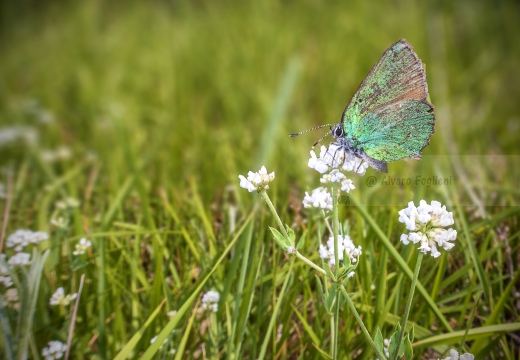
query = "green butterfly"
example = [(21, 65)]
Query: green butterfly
[(389, 117)]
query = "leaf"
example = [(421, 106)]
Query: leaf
[(279, 238), (378, 340), (407, 348)]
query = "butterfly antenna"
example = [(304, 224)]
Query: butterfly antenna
[(306, 131), (323, 137)]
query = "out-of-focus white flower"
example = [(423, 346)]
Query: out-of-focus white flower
[(19, 259), (59, 222), (454, 355), (21, 238), (426, 223), (61, 153), (54, 350), (291, 250), (6, 280), (11, 296), (82, 246), (13, 133), (59, 298), (210, 300), (171, 314), (256, 180), (319, 198), (67, 203), (345, 244)]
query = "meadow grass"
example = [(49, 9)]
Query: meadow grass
[(162, 105)]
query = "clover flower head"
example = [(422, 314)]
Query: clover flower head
[(454, 355), (319, 198), (426, 224), (82, 246), (210, 300), (54, 350), (21, 238), (19, 259), (345, 244), (256, 180), (59, 298)]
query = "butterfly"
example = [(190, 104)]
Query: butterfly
[(389, 117)]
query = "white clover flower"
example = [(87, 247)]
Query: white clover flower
[(82, 246), (426, 223), (345, 244), (355, 164), (54, 350), (19, 259), (256, 181), (319, 198), (59, 298), (210, 300), (21, 238), (335, 157), (347, 185), (454, 355)]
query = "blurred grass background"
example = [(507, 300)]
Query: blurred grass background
[(178, 98)]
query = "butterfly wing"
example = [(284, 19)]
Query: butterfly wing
[(389, 117)]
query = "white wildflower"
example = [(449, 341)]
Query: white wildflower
[(19, 259), (345, 244), (355, 164), (427, 225), (82, 246), (6, 280), (67, 203), (21, 238), (59, 298), (54, 350), (291, 250), (347, 185), (256, 180), (210, 300), (319, 198), (61, 153), (454, 355), (59, 222), (11, 295)]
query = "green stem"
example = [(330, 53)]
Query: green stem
[(336, 267), (264, 196), (360, 322), (408, 304), (310, 263)]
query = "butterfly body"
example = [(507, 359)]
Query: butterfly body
[(389, 117)]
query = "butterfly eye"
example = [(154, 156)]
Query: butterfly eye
[(338, 132)]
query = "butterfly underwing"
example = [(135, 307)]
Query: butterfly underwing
[(389, 117)]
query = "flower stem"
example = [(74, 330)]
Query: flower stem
[(408, 304), (310, 263), (360, 322), (336, 268), (264, 195)]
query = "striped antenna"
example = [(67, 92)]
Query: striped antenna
[(323, 137), (314, 128)]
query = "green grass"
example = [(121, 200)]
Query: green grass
[(162, 106)]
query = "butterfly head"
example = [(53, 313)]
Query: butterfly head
[(337, 131)]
